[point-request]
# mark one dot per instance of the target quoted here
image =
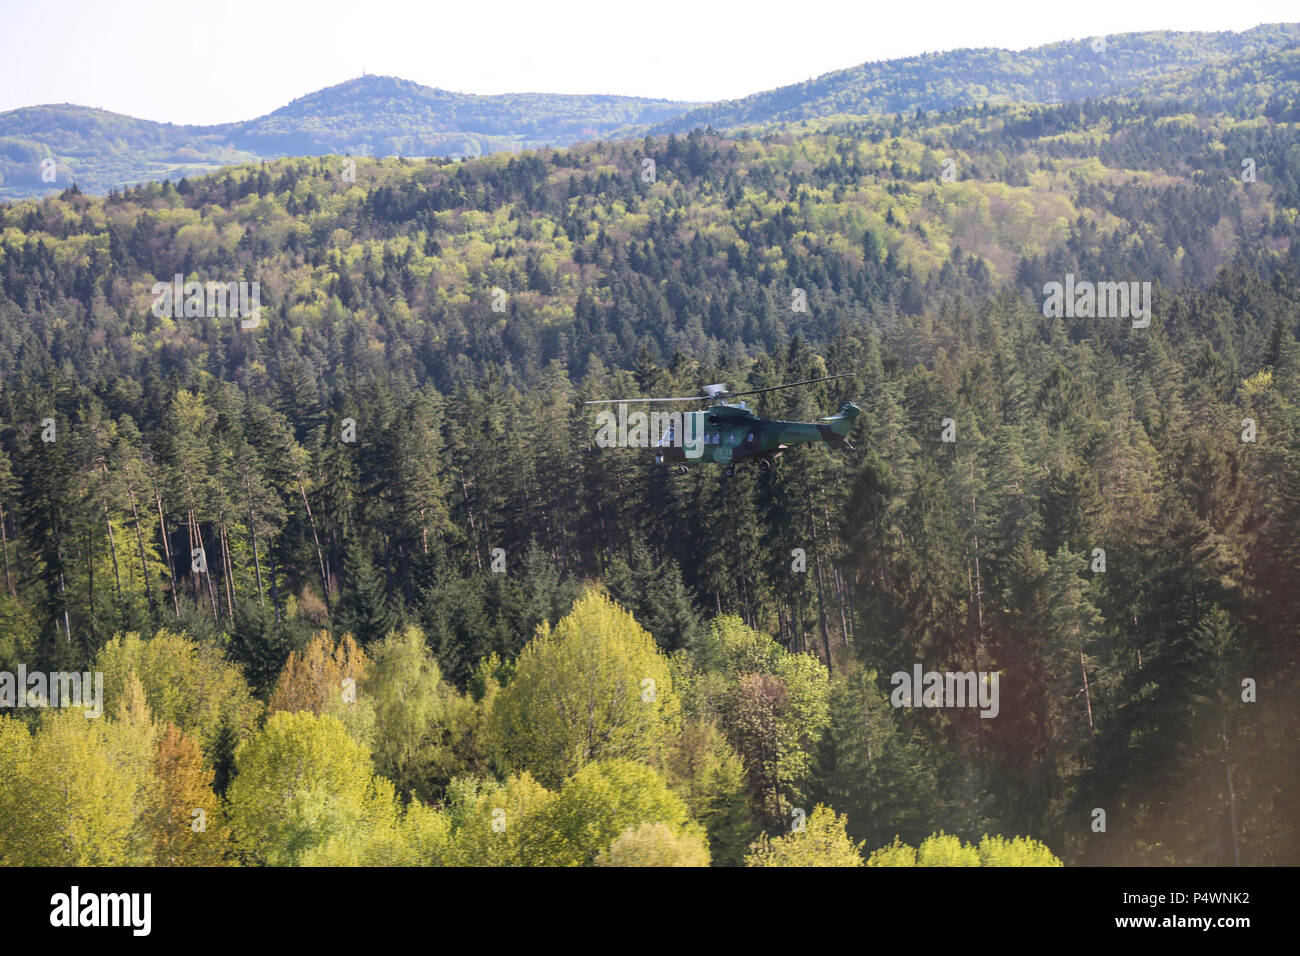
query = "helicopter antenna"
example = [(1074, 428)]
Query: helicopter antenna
[(620, 401)]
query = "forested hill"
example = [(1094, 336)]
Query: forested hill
[(387, 116), (1092, 67), (397, 451), (366, 116)]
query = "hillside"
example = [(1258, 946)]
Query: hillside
[(386, 116), (1058, 72), (367, 116)]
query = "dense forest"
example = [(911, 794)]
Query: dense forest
[(369, 545)]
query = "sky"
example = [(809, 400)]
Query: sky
[(179, 62)]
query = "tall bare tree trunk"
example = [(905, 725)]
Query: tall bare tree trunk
[(469, 513), (191, 547), (4, 540), (979, 587), (227, 571), (320, 555), (821, 592), (197, 536), (67, 621), (112, 542), (167, 552), (90, 579), (1232, 796), (1087, 694), (838, 580), (252, 533), (139, 539)]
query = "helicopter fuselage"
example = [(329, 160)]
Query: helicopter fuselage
[(731, 433)]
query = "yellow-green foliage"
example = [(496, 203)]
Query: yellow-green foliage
[(388, 836), (602, 800), (946, 850), (184, 683), (897, 853), (655, 844), (1018, 851), (943, 849), (302, 782), (72, 793), (823, 841), (501, 825), (594, 687)]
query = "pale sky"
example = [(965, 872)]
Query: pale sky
[(179, 62)]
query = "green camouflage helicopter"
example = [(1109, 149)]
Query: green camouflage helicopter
[(728, 432)]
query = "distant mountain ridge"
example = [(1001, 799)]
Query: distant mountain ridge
[(368, 115), (383, 116), (427, 121), (1094, 67)]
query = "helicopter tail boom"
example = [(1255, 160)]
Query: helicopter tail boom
[(833, 428)]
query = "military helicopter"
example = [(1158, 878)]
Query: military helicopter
[(728, 433)]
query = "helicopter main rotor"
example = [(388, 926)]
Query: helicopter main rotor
[(717, 392)]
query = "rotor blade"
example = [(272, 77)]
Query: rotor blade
[(619, 401), (773, 388)]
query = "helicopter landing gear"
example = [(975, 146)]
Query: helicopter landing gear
[(764, 465)]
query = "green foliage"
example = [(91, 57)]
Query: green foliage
[(1018, 851), (871, 769), (821, 842), (73, 791), (184, 683), (593, 688), (423, 730), (654, 844), (606, 798), (773, 706), (945, 850), (501, 824), (709, 775), (941, 849), (301, 782), (896, 854), (388, 835)]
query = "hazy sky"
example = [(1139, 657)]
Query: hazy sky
[(235, 59)]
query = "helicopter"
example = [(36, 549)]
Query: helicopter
[(728, 433)]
